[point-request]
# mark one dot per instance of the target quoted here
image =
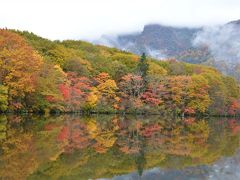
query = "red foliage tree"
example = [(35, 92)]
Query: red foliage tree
[(234, 107), (75, 91)]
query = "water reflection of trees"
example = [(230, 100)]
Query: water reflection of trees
[(177, 138), (156, 142), (103, 146)]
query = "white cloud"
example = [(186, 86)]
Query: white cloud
[(89, 19), (223, 42)]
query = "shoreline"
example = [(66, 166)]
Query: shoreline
[(116, 113)]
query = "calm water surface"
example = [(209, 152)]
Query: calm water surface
[(115, 147)]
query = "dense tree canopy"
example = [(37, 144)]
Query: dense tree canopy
[(40, 75), (19, 68)]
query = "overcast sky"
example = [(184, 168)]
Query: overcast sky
[(89, 19)]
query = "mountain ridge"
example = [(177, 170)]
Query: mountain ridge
[(211, 45)]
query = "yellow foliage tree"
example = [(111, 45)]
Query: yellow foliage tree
[(19, 67), (107, 90)]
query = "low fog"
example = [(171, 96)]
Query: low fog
[(222, 41)]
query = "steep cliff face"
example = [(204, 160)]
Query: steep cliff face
[(192, 45), (158, 40)]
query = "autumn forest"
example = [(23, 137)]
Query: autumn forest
[(42, 76)]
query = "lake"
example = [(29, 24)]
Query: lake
[(118, 147)]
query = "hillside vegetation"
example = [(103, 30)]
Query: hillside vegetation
[(39, 75)]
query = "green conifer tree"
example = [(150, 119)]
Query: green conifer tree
[(142, 68)]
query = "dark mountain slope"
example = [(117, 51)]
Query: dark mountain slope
[(159, 40)]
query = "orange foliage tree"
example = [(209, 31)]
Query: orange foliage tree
[(19, 68)]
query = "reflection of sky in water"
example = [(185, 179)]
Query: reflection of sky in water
[(224, 169)]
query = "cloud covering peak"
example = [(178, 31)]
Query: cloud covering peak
[(222, 41), (80, 19)]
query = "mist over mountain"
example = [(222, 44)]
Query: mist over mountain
[(218, 46), (161, 40), (223, 43), (156, 40)]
